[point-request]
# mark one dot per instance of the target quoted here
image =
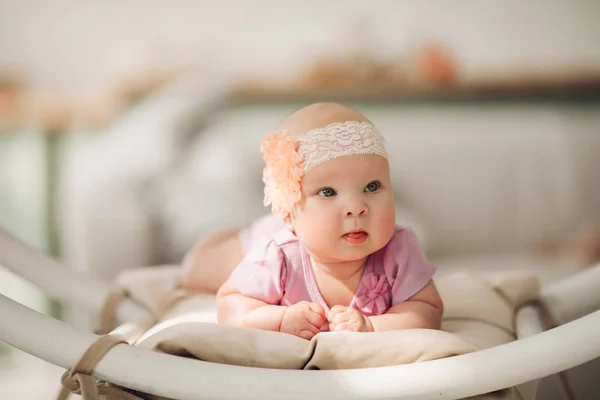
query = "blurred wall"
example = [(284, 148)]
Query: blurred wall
[(91, 43), (22, 190)]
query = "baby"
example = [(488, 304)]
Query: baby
[(340, 263), (208, 264)]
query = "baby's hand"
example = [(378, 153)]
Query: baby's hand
[(347, 319), (303, 319)]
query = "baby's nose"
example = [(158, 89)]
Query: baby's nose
[(357, 208)]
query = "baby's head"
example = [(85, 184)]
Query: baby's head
[(328, 177)]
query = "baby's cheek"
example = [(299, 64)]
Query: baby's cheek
[(314, 214), (386, 218)]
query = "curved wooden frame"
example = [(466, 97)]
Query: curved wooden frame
[(60, 282)]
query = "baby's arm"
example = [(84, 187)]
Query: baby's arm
[(302, 319), (235, 309), (424, 310)]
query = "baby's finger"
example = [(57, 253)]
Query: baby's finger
[(336, 310), (317, 308), (341, 317), (344, 327), (315, 319), (306, 334)]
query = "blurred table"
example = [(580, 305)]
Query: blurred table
[(56, 112), (516, 86)]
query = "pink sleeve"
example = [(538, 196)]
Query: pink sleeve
[(406, 266), (259, 275), (262, 228)]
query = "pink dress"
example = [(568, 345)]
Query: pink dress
[(261, 228), (277, 270)]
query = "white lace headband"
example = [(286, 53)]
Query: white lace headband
[(287, 159), (338, 140)]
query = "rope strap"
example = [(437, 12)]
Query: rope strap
[(109, 309), (79, 379)]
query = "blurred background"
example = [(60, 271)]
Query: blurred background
[(128, 130)]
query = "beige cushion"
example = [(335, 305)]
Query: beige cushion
[(254, 348), (479, 313)]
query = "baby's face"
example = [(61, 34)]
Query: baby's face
[(347, 208)]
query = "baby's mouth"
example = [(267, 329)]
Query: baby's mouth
[(356, 236)]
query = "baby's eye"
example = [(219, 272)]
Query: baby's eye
[(372, 187), (327, 192)]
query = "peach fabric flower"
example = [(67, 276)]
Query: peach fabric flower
[(283, 173)]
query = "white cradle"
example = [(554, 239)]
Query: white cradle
[(573, 302)]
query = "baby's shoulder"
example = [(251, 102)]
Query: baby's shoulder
[(400, 238), (283, 242), (396, 251), (284, 238), (403, 258)]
